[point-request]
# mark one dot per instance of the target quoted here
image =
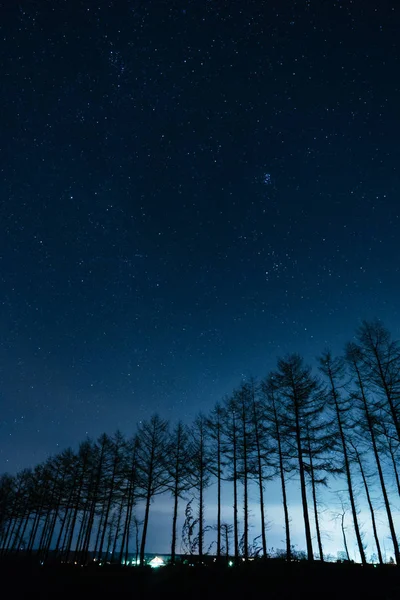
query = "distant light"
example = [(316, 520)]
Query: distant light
[(156, 562), (230, 563)]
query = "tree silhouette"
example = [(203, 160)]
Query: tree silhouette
[(275, 418), (152, 461), (301, 398), (202, 467), (85, 505), (367, 424), (215, 431), (333, 369), (379, 363), (179, 466)]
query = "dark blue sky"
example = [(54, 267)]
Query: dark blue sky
[(188, 190)]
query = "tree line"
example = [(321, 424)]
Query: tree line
[(340, 423)]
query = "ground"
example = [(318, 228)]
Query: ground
[(271, 580)]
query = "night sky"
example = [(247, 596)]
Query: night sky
[(188, 190)]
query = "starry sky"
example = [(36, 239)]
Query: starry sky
[(188, 190)]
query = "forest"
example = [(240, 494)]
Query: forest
[(340, 423)]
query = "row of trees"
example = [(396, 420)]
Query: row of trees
[(342, 423)]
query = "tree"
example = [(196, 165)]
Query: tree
[(369, 500), (317, 465), (333, 369), (201, 470), (379, 363), (131, 494), (93, 492), (262, 451), (391, 448), (231, 454), (226, 529), (301, 398), (341, 516), (82, 466), (244, 400), (274, 416), (112, 475), (215, 432), (152, 465), (179, 468), (367, 425)]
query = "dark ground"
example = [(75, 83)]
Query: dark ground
[(272, 580)]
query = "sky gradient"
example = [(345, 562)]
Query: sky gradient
[(188, 191)]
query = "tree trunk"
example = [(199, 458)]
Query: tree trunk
[(117, 530), (235, 495), (344, 537), (145, 523), (350, 490), (388, 395), (218, 492), (260, 478), (374, 529), (396, 473), (174, 520), (283, 486), (201, 511), (310, 555), (314, 496), (245, 488), (378, 464)]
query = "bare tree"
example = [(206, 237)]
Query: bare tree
[(341, 515), (369, 500), (231, 454), (115, 463), (226, 529), (215, 430), (202, 467), (180, 473), (301, 397), (262, 451), (131, 494), (152, 461), (274, 416), (379, 362), (244, 399), (354, 358), (333, 369)]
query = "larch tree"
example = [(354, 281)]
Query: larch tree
[(132, 495), (301, 398), (180, 471), (202, 468), (152, 461), (368, 426), (262, 452), (230, 449), (215, 431), (273, 410), (379, 363), (366, 485), (333, 369), (115, 464), (244, 401)]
